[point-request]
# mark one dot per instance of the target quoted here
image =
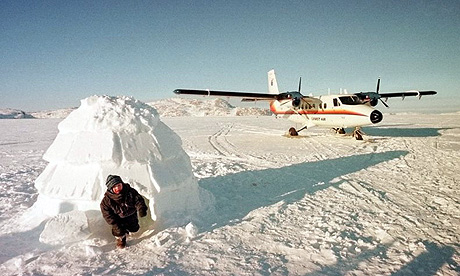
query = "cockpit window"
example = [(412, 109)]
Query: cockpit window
[(336, 102), (350, 100)]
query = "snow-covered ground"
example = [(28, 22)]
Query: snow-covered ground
[(319, 204)]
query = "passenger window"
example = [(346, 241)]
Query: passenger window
[(325, 105), (336, 103)]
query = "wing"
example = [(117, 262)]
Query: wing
[(407, 93), (247, 96), (376, 96)]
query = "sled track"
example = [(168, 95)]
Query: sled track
[(220, 142), (321, 151), (221, 147)]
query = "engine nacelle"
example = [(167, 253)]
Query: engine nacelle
[(296, 102), (374, 102)]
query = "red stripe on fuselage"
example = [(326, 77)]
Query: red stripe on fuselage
[(315, 111)]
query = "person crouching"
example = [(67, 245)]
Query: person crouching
[(119, 208)]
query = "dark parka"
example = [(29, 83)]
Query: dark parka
[(120, 210)]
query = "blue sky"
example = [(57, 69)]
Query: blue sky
[(55, 53)]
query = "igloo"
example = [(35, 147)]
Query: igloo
[(122, 136)]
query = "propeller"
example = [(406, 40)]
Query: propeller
[(377, 91), (295, 99), (296, 102)]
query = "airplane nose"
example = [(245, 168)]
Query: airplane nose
[(376, 116)]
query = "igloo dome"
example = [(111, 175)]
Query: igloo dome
[(121, 136)]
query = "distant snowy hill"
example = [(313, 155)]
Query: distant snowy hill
[(176, 107), (173, 107), (59, 113), (14, 114)]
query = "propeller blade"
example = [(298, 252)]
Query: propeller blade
[(384, 103), (285, 103), (378, 85), (300, 84)]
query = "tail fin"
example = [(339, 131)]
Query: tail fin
[(272, 84)]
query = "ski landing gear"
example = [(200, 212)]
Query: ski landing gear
[(339, 130), (293, 132), (357, 132)]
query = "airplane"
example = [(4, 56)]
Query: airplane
[(335, 111)]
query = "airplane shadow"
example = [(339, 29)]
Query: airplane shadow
[(238, 194), (349, 264), (402, 132), (429, 262), (425, 264)]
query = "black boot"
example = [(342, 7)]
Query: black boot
[(121, 242)]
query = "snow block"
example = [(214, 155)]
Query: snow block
[(66, 228)]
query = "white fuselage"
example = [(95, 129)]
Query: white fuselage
[(337, 111)]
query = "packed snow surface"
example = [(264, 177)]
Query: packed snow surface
[(319, 204)]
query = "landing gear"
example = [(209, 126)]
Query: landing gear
[(340, 130), (293, 132), (358, 133)]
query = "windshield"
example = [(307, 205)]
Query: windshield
[(350, 100)]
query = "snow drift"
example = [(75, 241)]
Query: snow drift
[(122, 136)]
